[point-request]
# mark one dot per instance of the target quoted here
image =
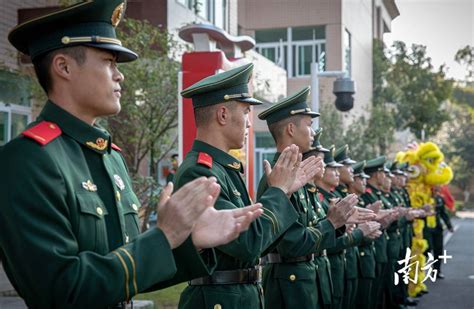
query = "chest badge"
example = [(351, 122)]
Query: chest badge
[(119, 182), (89, 186), (236, 193)]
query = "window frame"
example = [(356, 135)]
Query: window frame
[(14, 109)]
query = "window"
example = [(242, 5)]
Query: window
[(13, 121), (294, 49), (264, 150), (15, 106), (347, 52), (215, 11)]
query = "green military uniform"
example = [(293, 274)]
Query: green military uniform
[(70, 236), (341, 156), (290, 275), (337, 254), (399, 292), (372, 195), (236, 281), (323, 274), (366, 255)]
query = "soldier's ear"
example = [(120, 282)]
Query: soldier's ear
[(222, 114), (60, 67), (290, 129)]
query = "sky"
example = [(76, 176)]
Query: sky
[(443, 26)]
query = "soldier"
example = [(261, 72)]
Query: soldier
[(397, 193), (435, 235), (336, 254), (323, 274), (346, 178), (375, 168), (366, 251), (70, 236), (290, 275), (222, 108)]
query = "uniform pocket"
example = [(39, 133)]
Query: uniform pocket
[(92, 233)]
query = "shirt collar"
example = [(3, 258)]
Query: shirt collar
[(93, 137), (219, 156)]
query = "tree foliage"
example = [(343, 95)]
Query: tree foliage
[(417, 90)]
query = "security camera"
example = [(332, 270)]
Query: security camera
[(344, 89)]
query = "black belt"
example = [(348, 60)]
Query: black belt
[(238, 276), (275, 258)]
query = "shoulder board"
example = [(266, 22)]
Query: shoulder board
[(115, 147), (43, 133), (204, 159)]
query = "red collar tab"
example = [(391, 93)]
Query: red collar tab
[(204, 159), (368, 190), (115, 147), (43, 133)]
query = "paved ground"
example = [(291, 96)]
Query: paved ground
[(456, 291)]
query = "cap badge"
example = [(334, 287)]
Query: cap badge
[(89, 186), (117, 14)]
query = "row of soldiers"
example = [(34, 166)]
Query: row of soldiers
[(336, 246)]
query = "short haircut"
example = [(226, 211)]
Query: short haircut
[(277, 128), (43, 63), (203, 115)]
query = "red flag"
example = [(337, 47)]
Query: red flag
[(447, 197)]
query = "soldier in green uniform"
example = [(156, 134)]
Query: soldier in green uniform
[(394, 243), (290, 275), (70, 236), (222, 108), (323, 274), (366, 251), (375, 168), (404, 223), (345, 239), (435, 235)]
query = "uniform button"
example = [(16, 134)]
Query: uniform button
[(292, 277), (100, 211), (217, 306), (388, 237), (317, 266), (135, 207), (117, 196), (310, 223), (127, 239), (305, 210), (362, 253)]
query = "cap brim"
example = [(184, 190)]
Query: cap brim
[(362, 175), (123, 54), (348, 161), (334, 164), (322, 149), (312, 114), (251, 101)]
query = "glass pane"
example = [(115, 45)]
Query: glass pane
[(305, 57), (19, 123), (322, 58), (264, 140), (269, 52), (347, 52), (3, 128), (308, 33), (270, 35), (201, 8), (14, 89)]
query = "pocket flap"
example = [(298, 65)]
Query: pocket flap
[(90, 203)]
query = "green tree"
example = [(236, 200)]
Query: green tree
[(417, 90), (465, 56)]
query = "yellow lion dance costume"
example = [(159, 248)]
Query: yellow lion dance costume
[(426, 169)]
